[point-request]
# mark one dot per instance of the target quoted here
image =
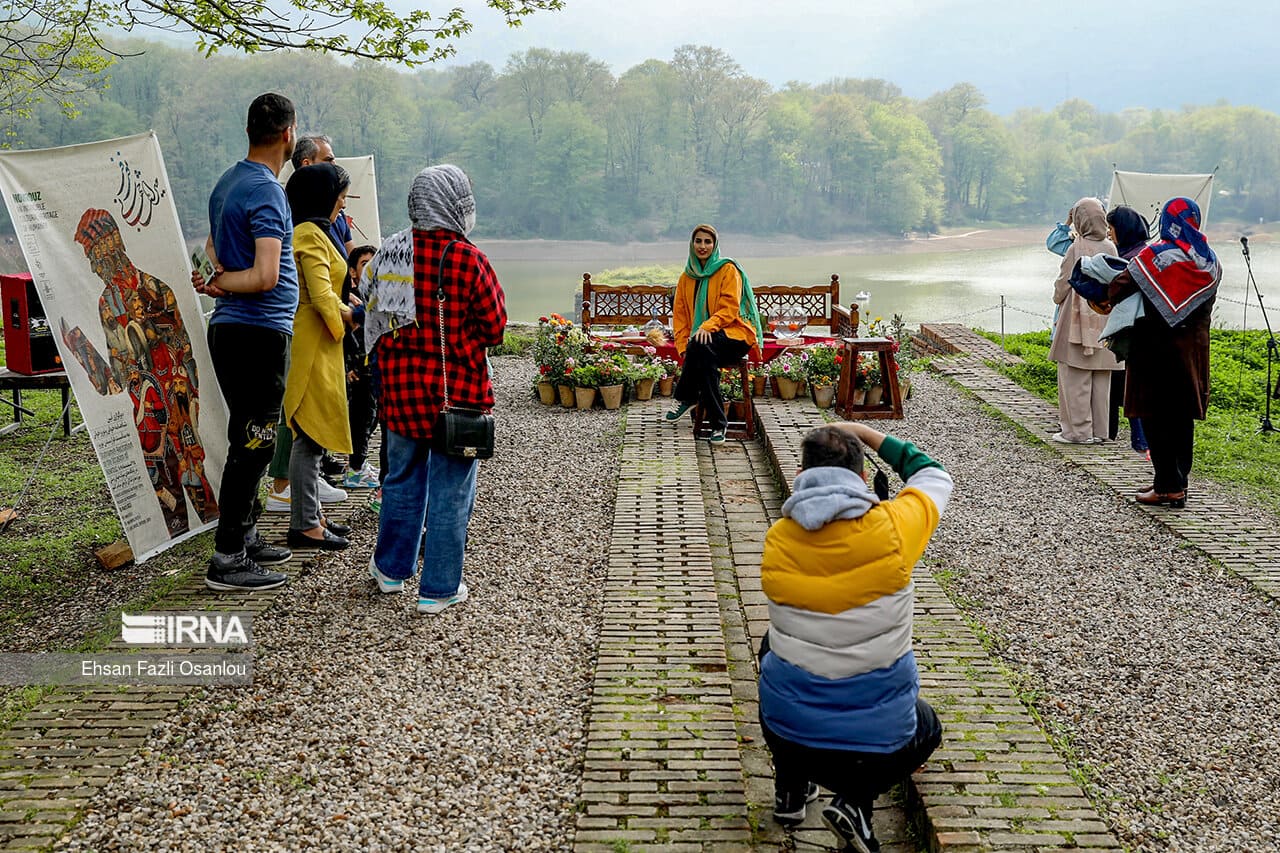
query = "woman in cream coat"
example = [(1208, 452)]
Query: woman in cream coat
[(1084, 364), (315, 394)]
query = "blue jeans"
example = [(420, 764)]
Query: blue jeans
[(421, 485)]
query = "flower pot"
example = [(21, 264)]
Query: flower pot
[(566, 395), (585, 397), (859, 396), (665, 384), (757, 385), (546, 393), (611, 396), (644, 389), (823, 396), (904, 388), (802, 386), (786, 388), (874, 394)]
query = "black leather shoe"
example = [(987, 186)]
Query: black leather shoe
[(336, 528), (329, 542)]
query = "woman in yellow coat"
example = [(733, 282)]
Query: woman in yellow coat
[(716, 324), (315, 394)]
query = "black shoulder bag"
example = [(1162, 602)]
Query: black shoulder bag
[(465, 433)]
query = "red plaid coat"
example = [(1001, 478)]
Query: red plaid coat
[(408, 360)]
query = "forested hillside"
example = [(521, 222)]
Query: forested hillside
[(559, 148)]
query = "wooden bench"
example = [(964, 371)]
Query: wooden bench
[(821, 302), (637, 304), (625, 304)]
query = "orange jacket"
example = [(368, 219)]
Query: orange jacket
[(724, 308)]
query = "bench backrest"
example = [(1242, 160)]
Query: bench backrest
[(637, 304), (818, 301), (626, 304)]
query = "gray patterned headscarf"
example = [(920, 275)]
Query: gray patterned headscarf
[(441, 197)]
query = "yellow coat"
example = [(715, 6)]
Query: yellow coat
[(315, 394), (724, 308)]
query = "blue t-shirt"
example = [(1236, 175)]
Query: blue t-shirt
[(248, 203)]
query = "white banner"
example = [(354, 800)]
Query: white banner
[(1147, 193), (362, 198), (100, 233)]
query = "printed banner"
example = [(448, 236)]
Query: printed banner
[(362, 198), (100, 233)]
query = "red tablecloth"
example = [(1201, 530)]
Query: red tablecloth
[(772, 347)]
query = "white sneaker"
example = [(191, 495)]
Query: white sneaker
[(330, 494), (278, 501), (432, 606), (385, 584)]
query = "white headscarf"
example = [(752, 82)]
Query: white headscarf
[(441, 197)]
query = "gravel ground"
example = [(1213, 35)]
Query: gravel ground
[(370, 727), (1154, 668)]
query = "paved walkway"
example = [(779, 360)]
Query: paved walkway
[(675, 760)]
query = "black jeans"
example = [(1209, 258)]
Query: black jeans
[(858, 777), (1171, 439), (361, 411), (251, 363), (700, 376)]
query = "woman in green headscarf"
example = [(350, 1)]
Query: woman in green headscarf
[(716, 324)]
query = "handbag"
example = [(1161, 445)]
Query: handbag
[(464, 433)]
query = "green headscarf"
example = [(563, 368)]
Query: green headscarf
[(700, 272)]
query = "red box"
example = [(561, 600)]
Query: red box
[(29, 346)]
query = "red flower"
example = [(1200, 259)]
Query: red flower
[(542, 319), (544, 368), (839, 359)]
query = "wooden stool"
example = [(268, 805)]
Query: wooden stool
[(742, 426), (890, 405)]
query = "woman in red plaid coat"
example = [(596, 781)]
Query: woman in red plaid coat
[(403, 326)]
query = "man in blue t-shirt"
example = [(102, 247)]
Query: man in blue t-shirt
[(256, 284)]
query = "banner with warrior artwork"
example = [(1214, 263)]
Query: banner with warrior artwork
[(100, 233)]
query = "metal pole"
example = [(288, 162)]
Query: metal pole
[(1002, 319)]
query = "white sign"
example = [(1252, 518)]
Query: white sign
[(362, 198)]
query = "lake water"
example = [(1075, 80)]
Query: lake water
[(961, 286)]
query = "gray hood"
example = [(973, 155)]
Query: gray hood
[(824, 494)]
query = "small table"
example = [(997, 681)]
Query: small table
[(890, 405), (19, 382)]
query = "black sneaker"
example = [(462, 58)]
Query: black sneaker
[(851, 824), (788, 806), (333, 467), (240, 574), (264, 553)]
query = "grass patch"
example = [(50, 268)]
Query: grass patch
[(514, 342), (1229, 448)]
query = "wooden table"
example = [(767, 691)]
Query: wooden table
[(890, 405), (16, 383)]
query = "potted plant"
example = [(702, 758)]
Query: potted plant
[(612, 373), (557, 347), (666, 382), (786, 371), (902, 354), (869, 376), (646, 373), (545, 387), (759, 379), (586, 378)]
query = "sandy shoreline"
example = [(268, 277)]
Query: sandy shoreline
[(749, 246)]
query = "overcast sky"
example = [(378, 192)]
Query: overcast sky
[(1036, 53)]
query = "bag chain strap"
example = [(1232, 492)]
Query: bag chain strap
[(444, 357)]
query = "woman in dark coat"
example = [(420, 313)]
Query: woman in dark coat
[(1129, 231), (1167, 381)]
